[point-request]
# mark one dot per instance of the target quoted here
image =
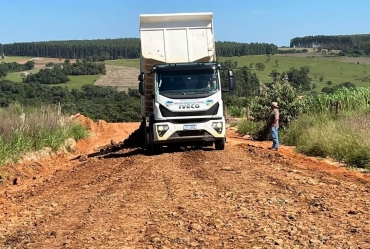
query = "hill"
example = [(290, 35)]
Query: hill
[(333, 68)]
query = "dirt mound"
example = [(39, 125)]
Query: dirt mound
[(88, 123), (134, 140), (108, 136)]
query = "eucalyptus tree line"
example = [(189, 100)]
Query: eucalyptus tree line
[(358, 41), (105, 49)]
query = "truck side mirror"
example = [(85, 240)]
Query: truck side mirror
[(141, 78), (141, 87), (231, 80), (230, 73)]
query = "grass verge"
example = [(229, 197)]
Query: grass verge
[(38, 129), (344, 137), (249, 127)]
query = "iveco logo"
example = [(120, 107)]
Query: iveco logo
[(188, 106)]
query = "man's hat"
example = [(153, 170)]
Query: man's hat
[(274, 104)]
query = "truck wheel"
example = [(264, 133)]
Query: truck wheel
[(155, 149), (220, 144)]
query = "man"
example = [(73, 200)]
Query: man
[(273, 125), (212, 84)]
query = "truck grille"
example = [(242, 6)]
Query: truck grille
[(194, 133), (167, 113)]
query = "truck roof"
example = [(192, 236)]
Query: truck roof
[(177, 37)]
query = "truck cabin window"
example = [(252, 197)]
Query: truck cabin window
[(187, 82)]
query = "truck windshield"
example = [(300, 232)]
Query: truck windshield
[(187, 82)]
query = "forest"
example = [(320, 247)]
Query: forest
[(111, 49), (339, 42), (96, 102)]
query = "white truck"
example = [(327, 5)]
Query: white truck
[(179, 83)]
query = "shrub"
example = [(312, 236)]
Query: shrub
[(249, 127), (344, 137), (287, 98)]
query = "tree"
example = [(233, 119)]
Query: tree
[(107, 49), (299, 78), (287, 98), (326, 90), (274, 75), (268, 58), (260, 66), (277, 63), (2, 73)]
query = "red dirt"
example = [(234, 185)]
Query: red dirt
[(243, 197), (302, 160)]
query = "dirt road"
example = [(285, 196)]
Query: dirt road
[(243, 197)]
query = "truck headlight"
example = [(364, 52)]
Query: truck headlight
[(217, 126), (162, 129)]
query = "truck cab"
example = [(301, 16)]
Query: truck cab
[(180, 82)]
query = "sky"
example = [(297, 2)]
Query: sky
[(270, 21)]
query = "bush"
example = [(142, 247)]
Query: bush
[(287, 98), (235, 111), (249, 127)]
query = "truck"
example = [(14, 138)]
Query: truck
[(179, 82)]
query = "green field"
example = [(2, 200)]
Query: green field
[(16, 77), (335, 71), (15, 59), (78, 81), (75, 81)]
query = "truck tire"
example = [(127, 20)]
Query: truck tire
[(155, 149), (220, 144)]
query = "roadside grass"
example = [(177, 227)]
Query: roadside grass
[(344, 136), (249, 127), (40, 128), (317, 131)]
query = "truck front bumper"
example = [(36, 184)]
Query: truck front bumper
[(209, 131)]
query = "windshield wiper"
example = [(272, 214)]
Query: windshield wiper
[(166, 92), (198, 92)]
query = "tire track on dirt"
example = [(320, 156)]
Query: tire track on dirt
[(84, 187)]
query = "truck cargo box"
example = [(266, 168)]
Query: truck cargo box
[(173, 38)]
